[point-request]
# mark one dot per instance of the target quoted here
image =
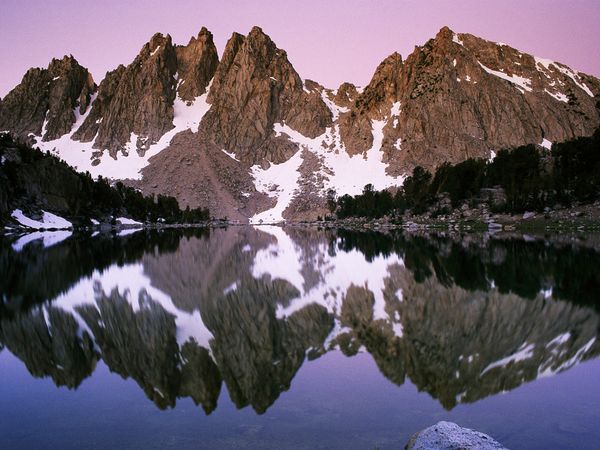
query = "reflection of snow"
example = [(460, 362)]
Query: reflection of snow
[(49, 238), (130, 281), (523, 353), (285, 260)]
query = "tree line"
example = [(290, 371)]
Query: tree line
[(530, 178), (37, 179)]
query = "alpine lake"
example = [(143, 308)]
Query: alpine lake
[(289, 337)]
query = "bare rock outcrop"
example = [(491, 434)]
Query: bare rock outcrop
[(448, 435), (460, 96), (255, 86), (196, 65), (46, 101), (135, 103)]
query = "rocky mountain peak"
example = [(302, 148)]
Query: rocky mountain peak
[(445, 33), (374, 103), (384, 87), (46, 101), (255, 86), (156, 40), (135, 103), (346, 94), (196, 65)]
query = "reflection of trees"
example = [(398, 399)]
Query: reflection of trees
[(453, 324), (36, 274), (523, 267)]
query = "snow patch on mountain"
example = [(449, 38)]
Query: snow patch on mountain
[(573, 76), (279, 181), (230, 154), (546, 144), (521, 83), (457, 40), (333, 107), (134, 285), (558, 96), (344, 173), (80, 155), (128, 221)]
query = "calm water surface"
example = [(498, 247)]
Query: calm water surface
[(285, 338)]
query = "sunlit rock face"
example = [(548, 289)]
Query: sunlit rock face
[(183, 313)]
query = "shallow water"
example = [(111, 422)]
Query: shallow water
[(285, 338)]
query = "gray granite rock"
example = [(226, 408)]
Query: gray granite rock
[(450, 436)]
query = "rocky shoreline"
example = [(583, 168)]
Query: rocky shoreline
[(581, 218), (584, 218)]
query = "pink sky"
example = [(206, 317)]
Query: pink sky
[(328, 41)]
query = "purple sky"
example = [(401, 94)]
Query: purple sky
[(328, 41)]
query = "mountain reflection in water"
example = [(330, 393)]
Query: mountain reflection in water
[(183, 312)]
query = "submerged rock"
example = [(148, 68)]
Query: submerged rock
[(450, 436)]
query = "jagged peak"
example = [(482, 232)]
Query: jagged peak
[(257, 31), (66, 63), (445, 33), (64, 60), (390, 66), (204, 31), (204, 35), (231, 48), (157, 40), (394, 58), (257, 39)]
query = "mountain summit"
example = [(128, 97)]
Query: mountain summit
[(249, 138)]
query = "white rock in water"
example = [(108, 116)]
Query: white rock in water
[(450, 436)]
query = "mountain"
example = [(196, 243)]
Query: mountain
[(48, 101), (246, 136)]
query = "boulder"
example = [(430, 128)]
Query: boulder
[(450, 436)]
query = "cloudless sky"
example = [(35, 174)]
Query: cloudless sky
[(328, 41)]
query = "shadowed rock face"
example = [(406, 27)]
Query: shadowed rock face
[(259, 358), (192, 312), (196, 65), (46, 101), (50, 346)]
